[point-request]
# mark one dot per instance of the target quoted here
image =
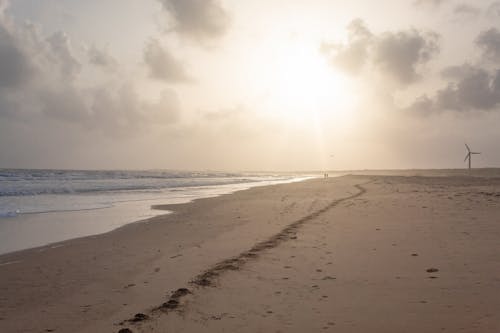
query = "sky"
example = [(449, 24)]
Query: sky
[(249, 85)]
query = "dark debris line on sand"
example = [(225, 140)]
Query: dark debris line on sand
[(208, 277)]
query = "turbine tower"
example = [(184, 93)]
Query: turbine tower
[(469, 155)]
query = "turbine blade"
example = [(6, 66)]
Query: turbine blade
[(466, 157), (475, 153), (468, 149)]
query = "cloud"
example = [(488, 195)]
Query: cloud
[(15, 66), (489, 42), (62, 56), (3, 5), (162, 65), (166, 110), (402, 52), (101, 59), (466, 11), (114, 111), (63, 103), (493, 10), (40, 83), (423, 105), (433, 3), (350, 57), (470, 88), (197, 19), (397, 55), (34, 70), (475, 89)]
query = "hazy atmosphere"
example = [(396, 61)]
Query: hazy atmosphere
[(248, 85), (249, 166)]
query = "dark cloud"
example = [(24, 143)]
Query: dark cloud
[(433, 3), (198, 19), (402, 52), (15, 67), (395, 54), (40, 78), (489, 42), (101, 59), (470, 88), (475, 89), (457, 73), (352, 56), (162, 65)]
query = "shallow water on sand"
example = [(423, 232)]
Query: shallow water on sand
[(29, 230)]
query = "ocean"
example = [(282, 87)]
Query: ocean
[(40, 207)]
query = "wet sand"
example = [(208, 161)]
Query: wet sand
[(349, 254)]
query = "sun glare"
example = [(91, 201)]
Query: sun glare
[(299, 82)]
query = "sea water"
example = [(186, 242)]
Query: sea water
[(39, 207)]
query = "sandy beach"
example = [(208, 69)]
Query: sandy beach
[(358, 253)]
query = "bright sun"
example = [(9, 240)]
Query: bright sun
[(299, 82)]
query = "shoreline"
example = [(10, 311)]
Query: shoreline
[(167, 208), (107, 264), (54, 227), (259, 256)]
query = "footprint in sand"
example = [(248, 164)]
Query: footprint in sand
[(125, 330), (328, 277), (139, 317), (173, 302), (180, 293), (170, 304)]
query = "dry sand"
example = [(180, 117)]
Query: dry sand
[(349, 254)]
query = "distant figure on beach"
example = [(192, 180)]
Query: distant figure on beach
[(325, 175)]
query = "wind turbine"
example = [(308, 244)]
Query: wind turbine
[(469, 155)]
